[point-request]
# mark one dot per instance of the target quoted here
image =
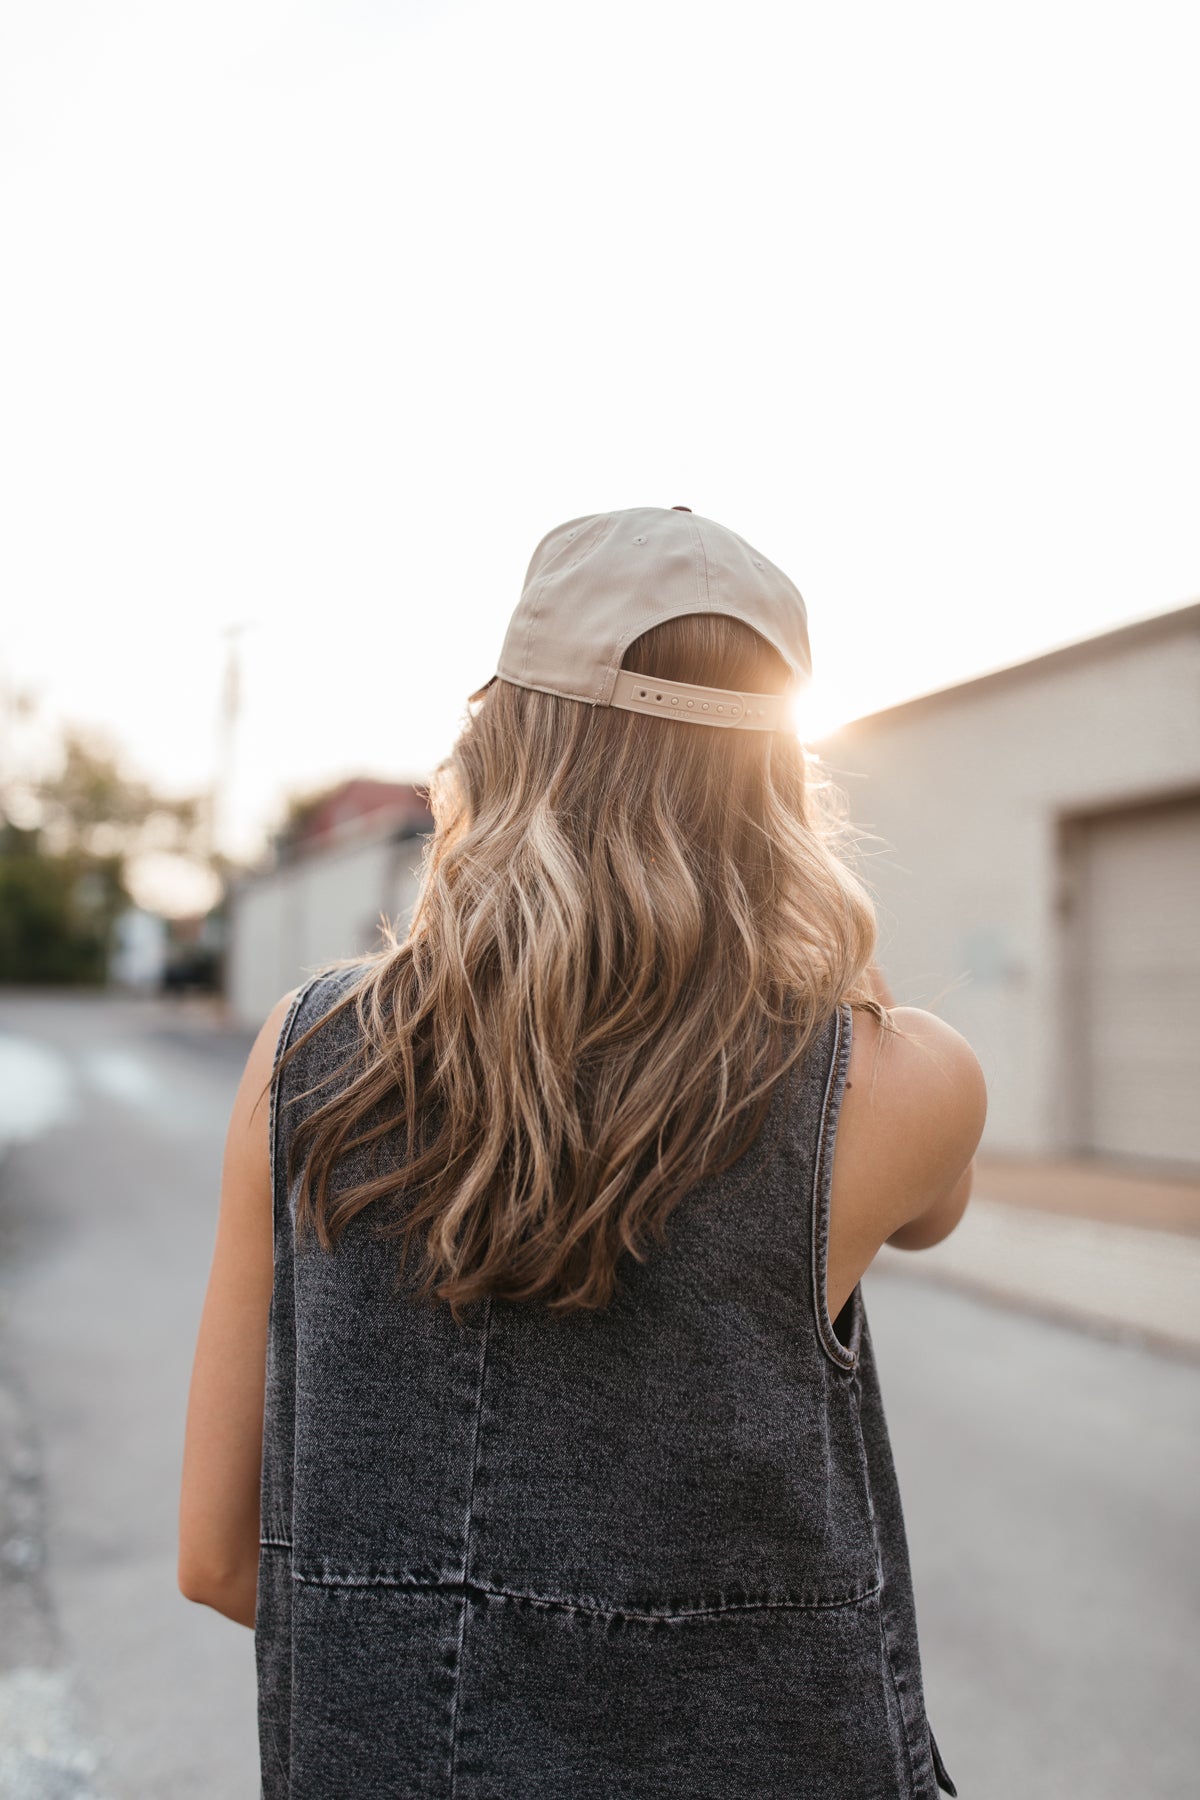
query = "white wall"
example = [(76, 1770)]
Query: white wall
[(286, 923), (967, 787), (139, 953)]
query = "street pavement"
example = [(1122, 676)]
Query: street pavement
[(106, 1231), (1120, 1279), (1049, 1469)]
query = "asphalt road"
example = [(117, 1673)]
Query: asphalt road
[(1050, 1477)]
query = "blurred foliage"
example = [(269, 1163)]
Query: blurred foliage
[(62, 878), (56, 911), (91, 805), (299, 812)]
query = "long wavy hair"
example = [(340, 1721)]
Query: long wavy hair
[(619, 918)]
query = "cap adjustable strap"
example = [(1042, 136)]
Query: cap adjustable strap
[(703, 705)]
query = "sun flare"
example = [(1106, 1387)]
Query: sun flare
[(820, 708)]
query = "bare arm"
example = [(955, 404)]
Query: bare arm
[(954, 1101), (938, 1220), (222, 1459)]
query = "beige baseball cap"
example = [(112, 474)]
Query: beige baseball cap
[(596, 583)]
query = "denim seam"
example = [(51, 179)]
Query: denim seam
[(915, 1726), (274, 1507), (842, 1358), (900, 1712), (898, 1685), (900, 1688), (273, 1121), (486, 1591), (467, 1534)]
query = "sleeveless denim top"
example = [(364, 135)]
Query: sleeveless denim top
[(655, 1550)]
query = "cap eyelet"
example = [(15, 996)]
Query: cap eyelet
[(758, 562), (639, 540)]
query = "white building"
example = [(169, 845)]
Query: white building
[(1036, 859), (1039, 884), (324, 902), (138, 958)]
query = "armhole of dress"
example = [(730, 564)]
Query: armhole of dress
[(278, 1197), (843, 1356)]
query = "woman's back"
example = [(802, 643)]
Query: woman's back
[(655, 1549), (599, 1499)]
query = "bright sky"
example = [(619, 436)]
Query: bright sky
[(317, 316)]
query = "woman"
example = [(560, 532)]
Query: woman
[(535, 1426)]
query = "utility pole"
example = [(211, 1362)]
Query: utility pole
[(228, 712)]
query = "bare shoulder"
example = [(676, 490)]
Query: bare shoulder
[(923, 1062), (912, 1114), (915, 1106), (249, 1104)]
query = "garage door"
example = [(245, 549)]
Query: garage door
[(1140, 970)]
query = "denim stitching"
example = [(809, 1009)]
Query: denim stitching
[(891, 1669), (466, 1559), (839, 1061), (486, 1591), (280, 1047), (899, 1688)]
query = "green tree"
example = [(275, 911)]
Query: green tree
[(62, 879), (56, 911), (91, 805)]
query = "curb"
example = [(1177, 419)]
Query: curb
[(1131, 1284)]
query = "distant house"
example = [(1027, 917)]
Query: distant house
[(344, 861), (352, 810), (1034, 850), (138, 954), (1039, 884)]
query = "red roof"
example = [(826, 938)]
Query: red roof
[(360, 800)]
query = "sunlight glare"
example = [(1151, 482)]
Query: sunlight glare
[(819, 708)]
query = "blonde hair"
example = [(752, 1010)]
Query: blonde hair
[(619, 916)]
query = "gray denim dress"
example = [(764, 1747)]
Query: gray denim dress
[(651, 1551)]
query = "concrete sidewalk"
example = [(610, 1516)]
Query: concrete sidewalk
[(1090, 1188), (1072, 1254)]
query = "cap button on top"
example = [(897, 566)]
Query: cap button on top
[(681, 509)]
